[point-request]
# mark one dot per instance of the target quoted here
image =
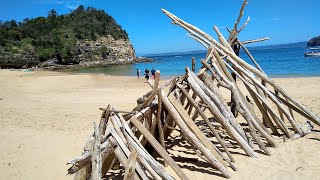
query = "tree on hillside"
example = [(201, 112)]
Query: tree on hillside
[(55, 34)]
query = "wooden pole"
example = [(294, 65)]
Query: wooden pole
[(158, 120), (230, 55), (191, 136), (193, 64), (96, 156), (123, 160), (162, 152), (223, 121)]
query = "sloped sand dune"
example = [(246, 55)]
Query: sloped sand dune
[(45, 118)]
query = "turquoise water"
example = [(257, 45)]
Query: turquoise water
[(276, 61)]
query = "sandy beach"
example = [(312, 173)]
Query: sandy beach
[(46, 117)]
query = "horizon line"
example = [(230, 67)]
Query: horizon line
[(177, 52)]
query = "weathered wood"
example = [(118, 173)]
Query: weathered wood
[(251, 57), (266, 118), (81, 166), (84, 160), (214, 93), (79, 163), (242, 105), (141, 115), (168, 122), (144, 156), (183, 98), (104, 120), (148, 168), (117, 126), (194, 140), (221, 119), (264, 108), (156, 80), (292, 107), (149, 159), (130, 170), (213, 130), (194, 96), (148, 123), (158, 120), (153, 126), (123, 160), (96, 156), (280, 123), (218, 103), (279, 110), (196, 113), (256, 82), (234, 33), (256, 138), (230, 56), (258, 122), (172, 85), (244, 25), (272, 97), (193, 64), (208, 81), (177, 94), (195, 37), (146, 102), (162, 152), (195, 129), (235, 60), (127, 152), (140, 158), (255, 40)]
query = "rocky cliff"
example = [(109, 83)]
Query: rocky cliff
[(105, 51)]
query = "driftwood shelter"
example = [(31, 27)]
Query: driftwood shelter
[(129, 138)]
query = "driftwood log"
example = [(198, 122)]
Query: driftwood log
[(178, 104)]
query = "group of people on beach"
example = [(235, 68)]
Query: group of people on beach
[(147, 73)]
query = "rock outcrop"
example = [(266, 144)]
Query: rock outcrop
[(105, 51), (314, 41), (17, 60)]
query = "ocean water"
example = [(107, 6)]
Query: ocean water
[(277, 61)]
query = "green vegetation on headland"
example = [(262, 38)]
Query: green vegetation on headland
[(55, 36), (314, 42)]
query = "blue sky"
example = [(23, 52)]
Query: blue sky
[(150, 31)]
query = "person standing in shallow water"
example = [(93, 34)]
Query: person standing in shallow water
[(146, 73)]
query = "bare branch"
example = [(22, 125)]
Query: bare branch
[(240, 15), (199, 40), (255, 40), (244, 25)]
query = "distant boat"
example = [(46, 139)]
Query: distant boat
[(312, 52)]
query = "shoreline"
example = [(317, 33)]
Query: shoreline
[(166, 77)]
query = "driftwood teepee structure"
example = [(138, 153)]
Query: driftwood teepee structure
[(268, 111)]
